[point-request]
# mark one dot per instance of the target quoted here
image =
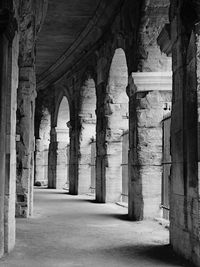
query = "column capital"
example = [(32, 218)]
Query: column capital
[(152, 81)]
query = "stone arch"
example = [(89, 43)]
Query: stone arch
[(42, 148), (118, 126), (64, 92), (87, 134), (59, 144), (111, 128)]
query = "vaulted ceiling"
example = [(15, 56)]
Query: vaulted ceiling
[(69, 26)]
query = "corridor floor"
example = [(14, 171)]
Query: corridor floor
[(75, 231)]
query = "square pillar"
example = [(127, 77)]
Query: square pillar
[(149, 101)]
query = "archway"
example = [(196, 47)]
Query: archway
[(117, 174), (42, 148), (87, 137), (59, 149), (62, 131), (117, 124)]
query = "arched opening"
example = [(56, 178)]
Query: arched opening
[(62, 131), (87, 116), (42, 149), (117, 139), (59, 149)]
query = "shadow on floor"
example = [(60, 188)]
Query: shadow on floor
[(48, 191), (156, 254), (164, 253), (91, 201), (122, 217)]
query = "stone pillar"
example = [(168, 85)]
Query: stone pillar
[(112, 120), (125, 149), (93, 166), (185, 148), (52, 159), (3, 84), (9, 43), (101, 146), (25, 144), (62, 158), (74, 126), (10, 192), (149, 96), (41, 158), (88, 131)]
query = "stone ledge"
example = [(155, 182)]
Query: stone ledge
[(152, 81)]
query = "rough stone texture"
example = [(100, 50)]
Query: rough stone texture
[(28, 12), (120, 43), (153, 18), (88, 133), (9, 43), (115, 121), (145, 156), (26, 145), (10, 191), (184, 201)]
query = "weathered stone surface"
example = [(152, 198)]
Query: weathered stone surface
[(145, 156), (9, 43)]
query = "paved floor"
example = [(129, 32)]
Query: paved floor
[(75, 231)]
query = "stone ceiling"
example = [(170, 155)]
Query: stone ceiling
[(69, 27), (63, 23)]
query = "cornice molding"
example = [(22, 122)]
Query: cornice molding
[(152, 81)]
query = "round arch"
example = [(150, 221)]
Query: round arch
[(42, 148), (63, 93), (116, 124)]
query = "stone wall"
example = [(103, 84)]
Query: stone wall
[(184, 201)]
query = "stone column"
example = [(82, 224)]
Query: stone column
[(41, 158), (101, 146), (62, 158), (149, 96), (112, 120), (9, 43), (10, 192), (52, 159), (74, 126), (185, 148), (87, 132), (25, 144), (3, 84)]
